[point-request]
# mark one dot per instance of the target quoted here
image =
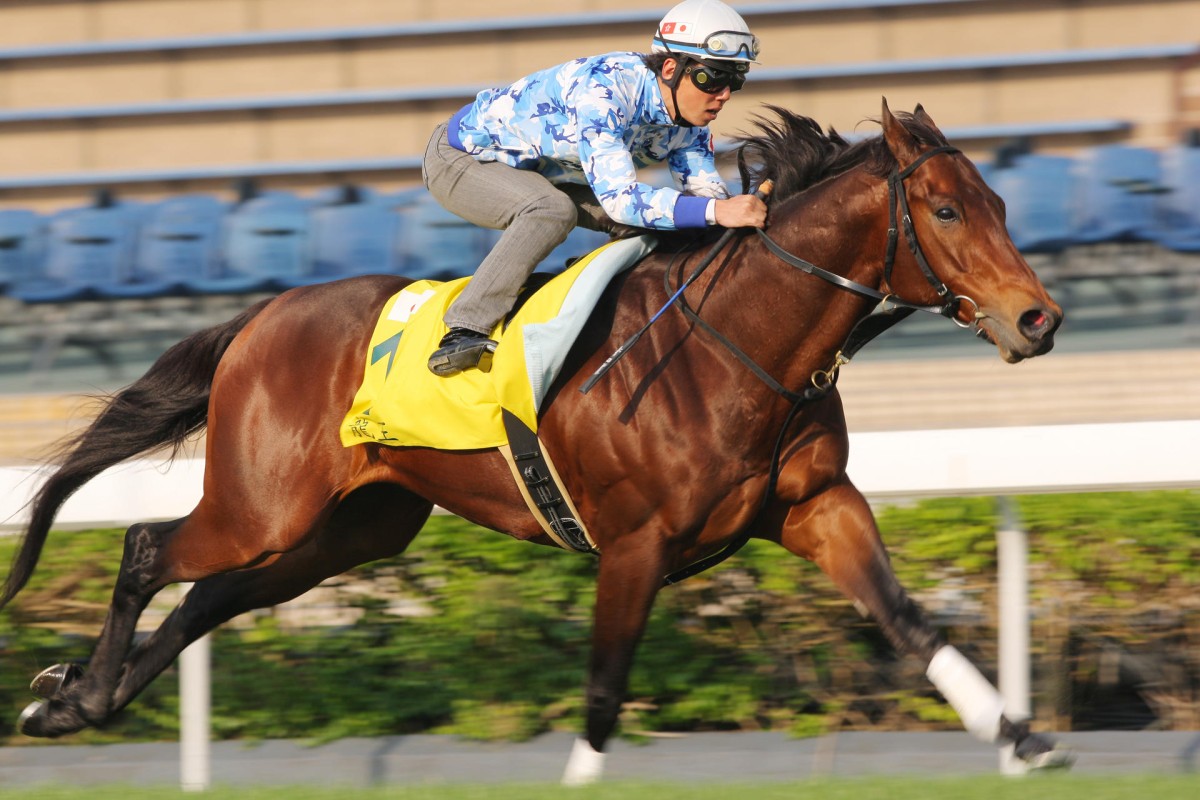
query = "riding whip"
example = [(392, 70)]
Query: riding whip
[(763, 191)]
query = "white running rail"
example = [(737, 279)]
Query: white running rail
[(884, 466)]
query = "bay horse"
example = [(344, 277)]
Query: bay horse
[(724, 422)]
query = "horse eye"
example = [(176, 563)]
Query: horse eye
[(946, 214)]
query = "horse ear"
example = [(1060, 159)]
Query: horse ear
[(922, 116), (902, 143)]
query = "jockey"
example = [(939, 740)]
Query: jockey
[(561, 148)]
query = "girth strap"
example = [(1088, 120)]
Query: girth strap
[(542, 488)]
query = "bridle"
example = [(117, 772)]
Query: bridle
[(898, 199), (891, 309), (898, 214)]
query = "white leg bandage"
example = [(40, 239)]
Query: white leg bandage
[(977, 702), (584, 766)]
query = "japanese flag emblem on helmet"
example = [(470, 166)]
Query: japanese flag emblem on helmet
[(706, 29)]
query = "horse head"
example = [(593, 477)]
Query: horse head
[(955, 224)]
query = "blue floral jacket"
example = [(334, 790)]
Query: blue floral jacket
[(595, 121)]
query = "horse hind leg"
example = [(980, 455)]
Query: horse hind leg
[(353, 536), (837, 531), (190, 549), (74, 699), (156, 555)]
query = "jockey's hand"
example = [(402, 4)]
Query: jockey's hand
[(741, 211)]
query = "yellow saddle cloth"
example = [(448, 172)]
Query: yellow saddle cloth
[(401, 403)]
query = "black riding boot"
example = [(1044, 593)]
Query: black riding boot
[(460, 349)]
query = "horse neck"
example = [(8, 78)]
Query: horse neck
[(801, 321)]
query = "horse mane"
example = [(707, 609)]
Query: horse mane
[(791, 150)]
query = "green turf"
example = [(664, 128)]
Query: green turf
[(1058, 787)]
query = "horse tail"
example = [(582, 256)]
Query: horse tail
[(160, 409)]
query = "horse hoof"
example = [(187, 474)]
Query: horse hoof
[(1040, 753), (26, 715), (584, 766), (1051, 760), (53, 680)]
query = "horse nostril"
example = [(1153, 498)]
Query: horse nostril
[(1036, 323)]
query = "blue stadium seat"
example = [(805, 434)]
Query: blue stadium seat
[(266, 245), (353, 232), (22, 244), (180, 241), (347, 193), (1037, 191), (89, 252), (434, 244), (1115, 193), (1179, 208)]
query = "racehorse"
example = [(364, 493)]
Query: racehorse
[(723, 423)]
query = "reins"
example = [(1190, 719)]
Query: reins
[(762, 193), (891, 311)]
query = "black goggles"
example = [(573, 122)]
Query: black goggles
[(714, 81)]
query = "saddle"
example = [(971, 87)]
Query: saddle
[(401, 404)]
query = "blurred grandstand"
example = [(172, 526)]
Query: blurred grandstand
[(165, 162)]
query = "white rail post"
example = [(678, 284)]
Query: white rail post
[(195, 697), (1012, 556)]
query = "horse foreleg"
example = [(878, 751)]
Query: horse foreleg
[(628, 582), (88, 700), (837, 531)]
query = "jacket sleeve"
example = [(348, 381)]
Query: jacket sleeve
[(694, 166), (602, 119)]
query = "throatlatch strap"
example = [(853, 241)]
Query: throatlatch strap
[(542, 488)]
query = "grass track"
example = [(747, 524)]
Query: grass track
[(1059, 787)]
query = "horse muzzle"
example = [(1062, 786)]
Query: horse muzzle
[(1030, 334)]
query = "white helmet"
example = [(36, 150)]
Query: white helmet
[(708, 30)]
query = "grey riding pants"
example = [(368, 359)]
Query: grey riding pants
[(535, 215)]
